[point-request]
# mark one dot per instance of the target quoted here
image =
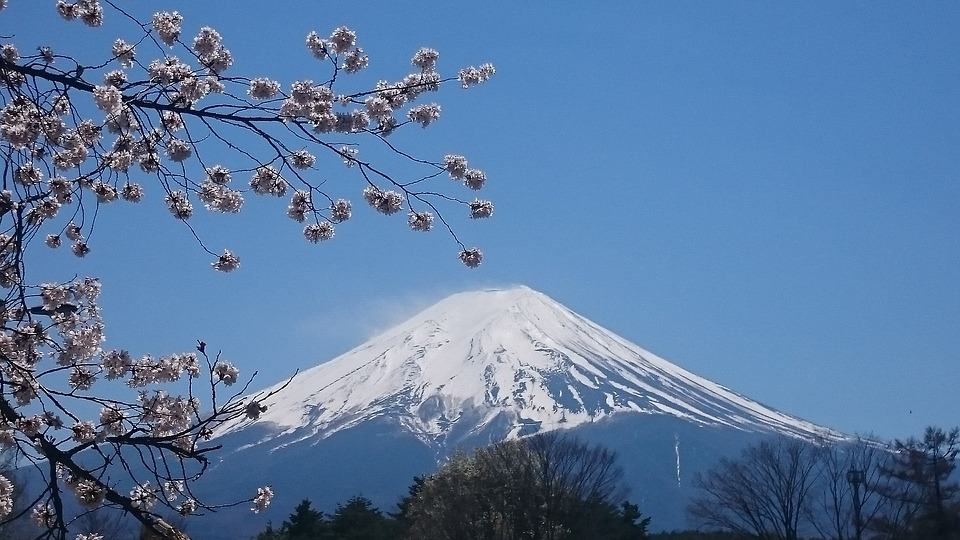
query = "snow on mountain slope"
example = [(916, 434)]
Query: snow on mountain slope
[(509, 361)]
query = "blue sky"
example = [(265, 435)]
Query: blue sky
[(765, 193)]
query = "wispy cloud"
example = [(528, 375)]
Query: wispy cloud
[(350, 325)]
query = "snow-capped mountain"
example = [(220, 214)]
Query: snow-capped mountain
[(476, 368), (503, 363)]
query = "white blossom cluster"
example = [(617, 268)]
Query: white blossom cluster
[(124, 52), (387, 202), (424, 114), (187, 507), (263, 88), (219, 198), (147, 370), (457, 167), (179, 205), (340, 210), (173, 489), (44, 515), (9, 52), (210, 50), (471, 257), (84, 431), (168, 26), (89, 493), (88, 11), (226, 262), (420, 221), (6, 496), (472, 76), (143, 497), (266, 180), (343, 42), (262, 500), (426, 59), (226, 372), (299, 206), (319, 232), (167, 415), (480, 209)]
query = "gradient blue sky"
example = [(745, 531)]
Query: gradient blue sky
[(765, 193)]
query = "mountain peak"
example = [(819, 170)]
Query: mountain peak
[(500, 363), (501, 297)]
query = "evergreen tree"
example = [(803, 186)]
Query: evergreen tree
[(359, 519), (304, 523), (923, 500), (268, 534), (633, 523), (356, 519), (605, 521), (403, 515)]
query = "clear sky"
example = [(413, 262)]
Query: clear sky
[(767, 194)]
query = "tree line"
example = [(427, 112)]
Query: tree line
[(546, 487), (554, 487), (790, 489)]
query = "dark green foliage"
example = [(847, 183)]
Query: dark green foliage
[(610, 522), (403, 515), (268, 533), (304, 523), (541, 488), (357, 519), (632, 522)]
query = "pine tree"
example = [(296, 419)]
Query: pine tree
[(923, 499), (359, 519), (403, 515), (304, 523), (633, 523), (268, 533)]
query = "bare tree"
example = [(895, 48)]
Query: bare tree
[(75, 134), (767, 492), (569, 474), (546, 487), (848, 497)]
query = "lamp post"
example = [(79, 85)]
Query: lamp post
[(856, 477)]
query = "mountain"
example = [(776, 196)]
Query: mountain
[(504, 362), (480, 367)]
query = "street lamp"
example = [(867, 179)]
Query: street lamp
[(856, 477)]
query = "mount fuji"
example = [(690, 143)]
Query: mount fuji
[(476, 368)]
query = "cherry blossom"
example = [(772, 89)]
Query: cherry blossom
[(139, 119)]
